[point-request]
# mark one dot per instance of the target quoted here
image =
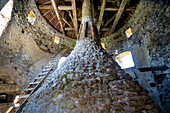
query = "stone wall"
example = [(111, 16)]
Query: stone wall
[(2, 3), (41, 31), (90, 81), (19, 57), (149, 45)]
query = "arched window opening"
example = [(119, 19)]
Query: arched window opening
[(5, 15), (62, 59), (125, 60)]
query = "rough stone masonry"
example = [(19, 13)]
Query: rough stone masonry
[(90, 81)]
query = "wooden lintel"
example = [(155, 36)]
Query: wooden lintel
[(74, 9), (58, 15), (64, 7), (101, 15), (118, 15), (45, 7)]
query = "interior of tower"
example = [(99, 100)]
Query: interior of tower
[(84, 56)]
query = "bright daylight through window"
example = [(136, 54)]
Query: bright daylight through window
[(5, 15), (125, 60)]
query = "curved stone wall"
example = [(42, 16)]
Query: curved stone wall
[(150, 47), (19, 56), (41, 31)]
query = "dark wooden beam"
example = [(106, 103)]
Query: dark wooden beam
[(110, 20), (118, 15), (58, 15), (101, 15), (47, 12)]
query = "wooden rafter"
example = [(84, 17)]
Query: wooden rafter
[(61, 7), (66, 22), (116, 9), (118, 15), (110, 20), (58, 15), (101, 15), (47, 12), (75, 22), (45, 7)]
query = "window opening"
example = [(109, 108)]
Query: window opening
[(5, 15), (125, 60), (57, 40), (62, 59), (128, 33), (31, 17)]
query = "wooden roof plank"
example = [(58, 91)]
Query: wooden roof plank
[(58, 15), (118, 15), (101, 15)]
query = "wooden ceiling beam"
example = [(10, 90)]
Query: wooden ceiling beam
[(74, 10), (45, 7), (101, 15), (66, 22), (118, 15), (45, 3), (64, 7), (69, 29), (110, 20), (116, 9), (58, 15)]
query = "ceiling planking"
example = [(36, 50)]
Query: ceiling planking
[(65, 15)]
